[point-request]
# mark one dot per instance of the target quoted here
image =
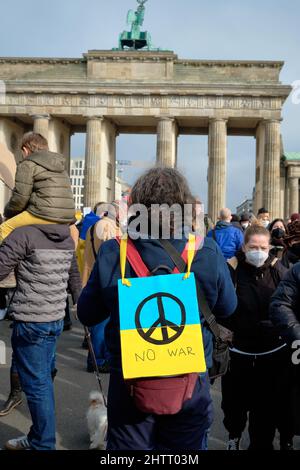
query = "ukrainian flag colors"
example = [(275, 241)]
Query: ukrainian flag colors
[(160, 327)]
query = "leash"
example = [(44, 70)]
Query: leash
[(94, 361), (5, 184)]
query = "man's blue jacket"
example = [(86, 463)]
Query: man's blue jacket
[(228, 237), (99, 299)]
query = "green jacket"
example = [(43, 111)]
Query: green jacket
[(43, 188)]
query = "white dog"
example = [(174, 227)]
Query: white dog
[(97, 421)]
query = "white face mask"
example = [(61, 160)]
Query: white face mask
[(266, 223), (257, 258), (245, 225)]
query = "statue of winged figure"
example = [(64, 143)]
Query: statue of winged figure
[(136, 39), (135, 19)]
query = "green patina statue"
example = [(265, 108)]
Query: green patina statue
[(136, 39)]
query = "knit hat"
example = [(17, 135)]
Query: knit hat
[(295, 217), (293, 234)]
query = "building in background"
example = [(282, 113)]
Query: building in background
[(245, 208), (122, 188), (77, 181)]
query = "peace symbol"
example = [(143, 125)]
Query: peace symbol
[(161, 321)]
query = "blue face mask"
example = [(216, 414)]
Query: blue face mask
[(256, 257)]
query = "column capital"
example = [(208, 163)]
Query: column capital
[(218, 119), (40, 116), (292, 172), (165, 118), (95, 118), (272, 120)]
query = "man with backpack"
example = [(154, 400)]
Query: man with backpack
[(130, 428)]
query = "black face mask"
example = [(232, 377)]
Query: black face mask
[(278, 233), (295, 249)]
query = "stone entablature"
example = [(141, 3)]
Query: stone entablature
[(139, 66), (94, 100)]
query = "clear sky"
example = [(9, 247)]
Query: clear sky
[(218, 29)]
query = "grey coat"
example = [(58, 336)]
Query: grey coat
[(41, 256)]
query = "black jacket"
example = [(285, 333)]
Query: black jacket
[(289, 258), (252, 327), (285, 306)]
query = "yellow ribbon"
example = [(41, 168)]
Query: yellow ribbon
[(123, 255), (191, 254)]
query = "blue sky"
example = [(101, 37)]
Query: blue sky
[(219, 29)]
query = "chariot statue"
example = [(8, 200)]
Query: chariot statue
[(136, 39)]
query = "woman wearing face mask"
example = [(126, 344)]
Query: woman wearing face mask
[(255, 387), (278, 231), (291, 254)]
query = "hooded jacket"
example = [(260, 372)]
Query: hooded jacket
[(251, 324), (285, 306), (43, 188), (104, 230), (41, 256)]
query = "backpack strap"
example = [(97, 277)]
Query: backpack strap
[(274, 262), (135, 259), (185, 254), (92, 234), (203, 304), (139, 266)]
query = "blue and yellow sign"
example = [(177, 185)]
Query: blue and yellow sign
[(160, 326)]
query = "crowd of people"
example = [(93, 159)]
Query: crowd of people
[(248, 273)]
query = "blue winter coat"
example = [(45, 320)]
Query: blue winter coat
[(99, 299), (228, 237)]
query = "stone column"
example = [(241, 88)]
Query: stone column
[(271, 181), (287, 200), (92, 172), (217, 153), (259, 171), (167, 142), (41, 124), (293, 195)]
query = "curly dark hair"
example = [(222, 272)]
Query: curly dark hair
[(162, 185)]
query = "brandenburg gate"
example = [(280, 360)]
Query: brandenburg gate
[(106, 93)]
